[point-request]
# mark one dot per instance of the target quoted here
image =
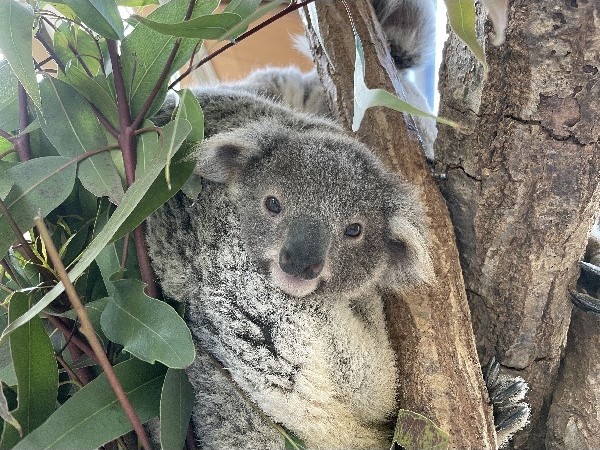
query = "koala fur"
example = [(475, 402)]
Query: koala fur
[(311, 350), (281, 262)]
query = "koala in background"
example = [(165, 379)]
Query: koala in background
[(281, 262)]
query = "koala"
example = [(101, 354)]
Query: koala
[(281, 262)]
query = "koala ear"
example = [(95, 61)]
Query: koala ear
[(222, 157), (410, 260)]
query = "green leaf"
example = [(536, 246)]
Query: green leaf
[(93, 416), (149, 329), (71, 43), (8, 375), (6, 181), (211, 26), (416, 432), (365, 98), (249, 12), (36, 370), (71, 125), (9, 104), (102, 16), (462, 19), (98, 91), (145, 52), (190, 109), (136, 3), (176, 405), (16, 25), (5, 413), (41, 184), (158, 193), (174, 133)]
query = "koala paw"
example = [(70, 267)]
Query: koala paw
[(588, 297), (506, 393)]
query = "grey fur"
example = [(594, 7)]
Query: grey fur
[(311, 352), (317, 362)]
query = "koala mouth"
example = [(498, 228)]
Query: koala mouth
[(291, 284)]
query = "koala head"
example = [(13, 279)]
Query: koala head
[(318, 212)]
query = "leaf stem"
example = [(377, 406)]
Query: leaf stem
[(292, 7), (87, 330)]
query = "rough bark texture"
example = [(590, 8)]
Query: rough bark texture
[(431, 328), (574, 419), (522, 184)]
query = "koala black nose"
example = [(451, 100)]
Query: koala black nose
[(304, 250), (299, 267)]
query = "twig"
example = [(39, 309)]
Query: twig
[(87, 330), (127, 143), (66, 331), (124, 251), (241, 37)]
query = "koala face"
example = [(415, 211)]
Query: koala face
[(318, 212)]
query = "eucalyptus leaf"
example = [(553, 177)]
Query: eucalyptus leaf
[(365, 98), (8, 375), (145, 53), (9, 103), (93, 416), (5, 413), (211, 26), (40, 185), (36, 371), (98, 91), (149, 329), (176, 405), (136, 3), (158, 194), (174, 134), (462, 19), (416, 432), (16, 25), (71, 125), (102, 16), (6, 181), (75, 47)]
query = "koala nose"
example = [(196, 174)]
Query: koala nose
[(295, 265), (304, 251)]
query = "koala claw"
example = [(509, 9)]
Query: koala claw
[(506, 394), (588, 297)]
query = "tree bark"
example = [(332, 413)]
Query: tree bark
[(430, 328), (574, 418), (522, 184)]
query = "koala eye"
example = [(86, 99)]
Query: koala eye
[(273, 205), (353, 230)]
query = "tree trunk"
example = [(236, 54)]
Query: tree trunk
[(522, 184), (430, 328)]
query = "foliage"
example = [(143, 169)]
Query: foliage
[(78, 148)]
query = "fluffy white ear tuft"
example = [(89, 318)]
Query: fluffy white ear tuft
[(411, 261), (222, 157)]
